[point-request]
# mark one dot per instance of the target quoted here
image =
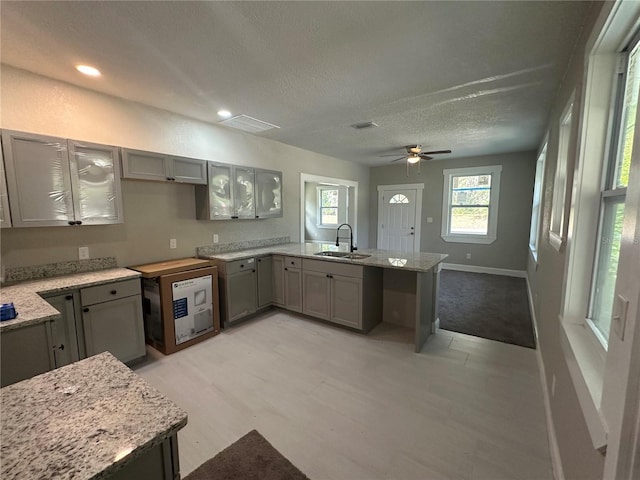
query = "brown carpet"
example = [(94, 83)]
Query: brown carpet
[(488, 306), (250, 458)]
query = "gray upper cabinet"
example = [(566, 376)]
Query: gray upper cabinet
[(5, 215), (141, 165), (95, 182), (189, 170), (244, 194), (236, 192), (268, 193), (53, 181)]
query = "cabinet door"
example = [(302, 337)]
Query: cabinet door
[(38, 180), (95, 177), (265, 281), (189, 170), (346, 301), (316, 291), (145, 165), (115, 326), (268, 193), (293, 289), (24, 353), (220, 191), (5, 215), (277, 265), (63, 330), (241, 294), (243, 193)]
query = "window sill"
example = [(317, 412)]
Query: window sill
[(484, 239), (556, 241), (534, 255), (586, 362)]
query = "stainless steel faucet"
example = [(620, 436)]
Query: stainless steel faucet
[(351, 247)]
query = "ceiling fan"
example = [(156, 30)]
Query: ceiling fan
[(415, 154)]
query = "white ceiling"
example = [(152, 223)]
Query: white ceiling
[(478, 78)]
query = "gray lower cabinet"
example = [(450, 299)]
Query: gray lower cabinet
[(64, 337), (287, 282), (316, 287), (237, 282), (112, 320), (25, 352), (265, 280), (335, 292)]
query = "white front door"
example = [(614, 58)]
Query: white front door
[(399, 208)]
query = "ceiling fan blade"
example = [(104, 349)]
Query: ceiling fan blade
[(438, 151), (425, 157), (398, 159)]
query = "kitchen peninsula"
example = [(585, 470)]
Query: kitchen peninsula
[(407, 289), (92, 419)]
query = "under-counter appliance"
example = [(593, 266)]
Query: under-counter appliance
[(181, 305)]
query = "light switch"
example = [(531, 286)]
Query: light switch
[(619, 316), (215, 238)]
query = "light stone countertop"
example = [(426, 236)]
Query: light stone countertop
[(412, 261), (83, 421), (33, 309)]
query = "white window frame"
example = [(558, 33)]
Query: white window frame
[(536, 207), (343, 205), (584, 353), (558, 225), (491, 235)]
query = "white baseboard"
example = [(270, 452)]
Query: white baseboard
[(476, 269), (554, 450)]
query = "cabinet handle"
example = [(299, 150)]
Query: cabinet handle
[(286, 268), (235, 218), (69, 297), (253, 270), (293, 263), (257, 216), (79, 222), (85, 310), (259, 260), (61, 347), (113, 292), (71, 222), (241, 265)]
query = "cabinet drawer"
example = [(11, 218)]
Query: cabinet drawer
[(335, 268), (240, 266), (293, 262), (110, 291)]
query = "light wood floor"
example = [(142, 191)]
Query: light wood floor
[(341, 405)]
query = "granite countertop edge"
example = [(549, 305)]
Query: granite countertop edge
[(415, 261), (33, 309), (77, 391)]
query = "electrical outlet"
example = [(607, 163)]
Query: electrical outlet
[(468, 256), (173, 243), (83, 253), (553, 385), (215, 238), (429, 219)]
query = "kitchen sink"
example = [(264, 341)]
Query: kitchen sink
[(350, 256)]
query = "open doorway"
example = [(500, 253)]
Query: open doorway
[(325, 203)]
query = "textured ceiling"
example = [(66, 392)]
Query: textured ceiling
[(478, 78)]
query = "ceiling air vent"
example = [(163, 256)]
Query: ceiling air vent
[(360, 126), (248, 124)]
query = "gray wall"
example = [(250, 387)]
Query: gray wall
[(579, 459), (509, 251), (154, 212)]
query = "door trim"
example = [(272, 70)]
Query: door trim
[(418, 187)]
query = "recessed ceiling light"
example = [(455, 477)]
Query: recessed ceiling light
[(224, 113), (87, 70)]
